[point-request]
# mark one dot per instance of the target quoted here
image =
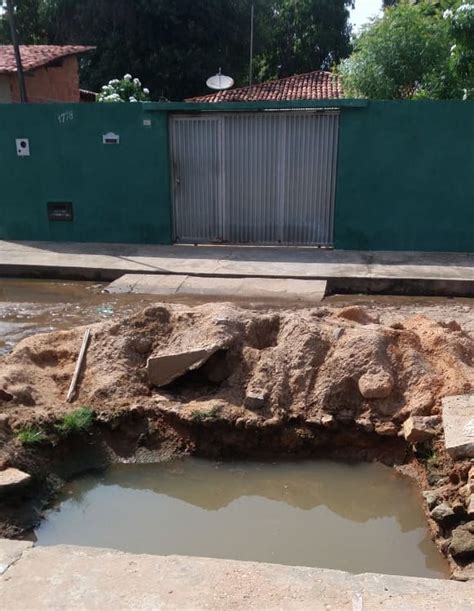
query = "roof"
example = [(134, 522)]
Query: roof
[(317, 85), (34, 56)]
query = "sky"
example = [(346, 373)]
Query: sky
[(364, 9)]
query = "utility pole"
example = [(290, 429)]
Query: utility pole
[(251, 44), (16, 47)]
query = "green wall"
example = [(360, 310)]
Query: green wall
[(120, 193), (405, 177)]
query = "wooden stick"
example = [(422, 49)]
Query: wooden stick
[(77, 370)]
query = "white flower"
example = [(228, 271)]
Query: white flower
[(136, 82), (448, 13), (453, 48), (127, 77), (146, 91), (113, 82), (105, 87), (464, 97), (132, 99), (465, 7)]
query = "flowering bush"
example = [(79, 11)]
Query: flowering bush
[(127, 89)]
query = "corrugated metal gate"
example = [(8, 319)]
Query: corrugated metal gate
[(259, 178)]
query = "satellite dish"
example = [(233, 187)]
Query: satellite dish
[(220, 81)]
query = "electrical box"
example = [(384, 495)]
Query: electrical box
[(110, 138), (22, 147), (60, 211)]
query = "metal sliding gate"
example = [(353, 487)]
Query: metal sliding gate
[(254, 178)]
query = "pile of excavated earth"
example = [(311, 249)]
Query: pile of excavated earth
[(225, 381)]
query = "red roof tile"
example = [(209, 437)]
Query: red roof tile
[(34, 56), (318, 85)]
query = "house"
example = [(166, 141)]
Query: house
[(51, 73), (317, 85)]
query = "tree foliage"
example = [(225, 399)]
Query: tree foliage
[(175, 46), (414, 50), (305, 35)]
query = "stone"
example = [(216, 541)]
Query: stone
[(432, 498), (255, 399), (365, 424), (443, 513), (458, 423), (389, 429), (3, 422), (327, 420), (143, 345), (162, 369), (462, 542), (417, 429), (470, 506), (378, 385), (12, 480)]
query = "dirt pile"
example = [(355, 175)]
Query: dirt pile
[(317, 365), (218, 379)]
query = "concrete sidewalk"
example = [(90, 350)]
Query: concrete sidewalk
[(71, 577), (345, 271)]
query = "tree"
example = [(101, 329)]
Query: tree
[(174, 46), (411, 52), (305, 35)]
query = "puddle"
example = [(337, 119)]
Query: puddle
[(37, 306), (357, 518)]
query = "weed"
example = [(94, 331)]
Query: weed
[(77, 421), (200, 416), (428, 455), (30, 435)]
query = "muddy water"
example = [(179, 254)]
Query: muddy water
[(36, 306), (358, 518)]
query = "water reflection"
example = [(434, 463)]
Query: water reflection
[(351, 517)]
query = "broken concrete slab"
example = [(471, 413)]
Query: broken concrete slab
[(162, 369), (71, 577), (12, 479), (11, 551), (458, 423)]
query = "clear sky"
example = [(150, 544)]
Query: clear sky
[(364, 9)]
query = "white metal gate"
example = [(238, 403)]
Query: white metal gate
[(254, 178)]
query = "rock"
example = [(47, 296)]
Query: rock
[(470, 506), (462, 542), (458, 423), (5, 396), (378, 385), (453, 325), (142, 345), (365, 424), (443, 513), (417, 429), (465, 573), (389, 429), (432, 498), (12, 480), (162, 369), (3, 422), (255, 399), (327, 420)]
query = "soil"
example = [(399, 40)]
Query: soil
[(333, 381)]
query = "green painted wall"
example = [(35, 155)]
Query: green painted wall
[(405, 177), (120, 193)]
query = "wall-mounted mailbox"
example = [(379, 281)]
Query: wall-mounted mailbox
[(22, 147), (110, 138), (60, 211)]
